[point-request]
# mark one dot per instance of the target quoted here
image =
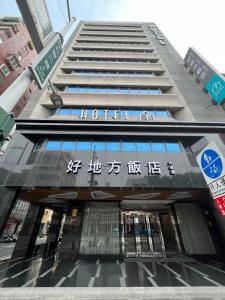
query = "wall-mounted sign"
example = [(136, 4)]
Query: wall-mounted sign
[(109, 114), (36, 18), (212, 164), (159, 37), (133, 167), (206, 74)]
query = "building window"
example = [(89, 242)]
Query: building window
[(95, 113), (1, 40), (13, 62), (4, 70), (19, 56), (112, 90), (113, 146), (53, 146)]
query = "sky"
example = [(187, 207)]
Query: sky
[(196, 23)]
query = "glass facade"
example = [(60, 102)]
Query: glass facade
[(120, 145), (102, 112), (112, 90)]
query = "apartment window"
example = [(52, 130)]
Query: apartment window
[(1, 40), (13, 62), (4, 70), (19, 56), (24, 51)]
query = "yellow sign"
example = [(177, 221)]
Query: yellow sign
[(74, 212)]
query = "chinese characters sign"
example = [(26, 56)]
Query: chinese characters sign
[(133, 167), (211, 163), (205, 74), (42, 68)]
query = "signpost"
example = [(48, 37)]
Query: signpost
[(212, 164), (43, 67)]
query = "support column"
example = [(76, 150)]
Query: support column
[(7, 200), (54, 230), (26, 241)]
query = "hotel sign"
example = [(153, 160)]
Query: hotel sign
[(133, 167), (206, 74), (159, 37), (212, 164), (107, 114)]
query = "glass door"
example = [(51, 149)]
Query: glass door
[(148, 233)]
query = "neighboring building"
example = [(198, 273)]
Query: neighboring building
[(118, 159), (16, 53)]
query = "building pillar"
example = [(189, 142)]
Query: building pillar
[(26, 241), (53, 231), (7, 201)]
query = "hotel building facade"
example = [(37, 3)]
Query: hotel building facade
[(117, 162)]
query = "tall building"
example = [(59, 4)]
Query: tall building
[(118, 160), (16, 53)]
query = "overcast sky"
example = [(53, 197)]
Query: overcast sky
[(197, 23)]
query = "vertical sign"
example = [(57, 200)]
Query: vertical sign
[(212, 164), (206, 74)]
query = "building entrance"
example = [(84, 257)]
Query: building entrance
[(151, 233)]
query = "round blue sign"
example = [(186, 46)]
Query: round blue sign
[(211, 163)]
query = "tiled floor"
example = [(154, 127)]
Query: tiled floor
[(53, 271)]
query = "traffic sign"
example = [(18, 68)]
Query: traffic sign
[(212, 164), (48, 58)]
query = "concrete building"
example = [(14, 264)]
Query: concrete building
[(16, 53), (117, 162)]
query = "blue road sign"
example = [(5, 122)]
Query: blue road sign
[(211, 163)]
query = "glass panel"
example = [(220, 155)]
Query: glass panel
[(154, 92), (113, 146), (71, 89), (143, 233), (136, 113), (126, 146), (143, 147), (68, 146), (101, 113), (152, 112), (76, 112), (173, 147), (158, 147), (155, 233), (83, 146), (161, 114), (64, 111), (98, 146), (53, 145), (129, 235)]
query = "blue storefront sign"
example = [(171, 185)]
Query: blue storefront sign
[(216, 88)]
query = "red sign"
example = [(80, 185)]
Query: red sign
[(220, 203)]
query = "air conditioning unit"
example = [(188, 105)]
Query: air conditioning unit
[(12, 62)]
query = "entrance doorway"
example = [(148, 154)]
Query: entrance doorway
[(151, 233)]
